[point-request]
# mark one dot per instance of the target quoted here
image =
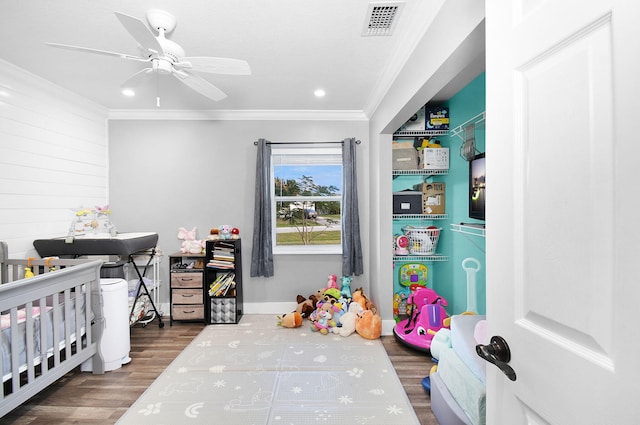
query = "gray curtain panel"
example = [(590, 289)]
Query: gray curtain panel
[(351, 247), (262, 253)]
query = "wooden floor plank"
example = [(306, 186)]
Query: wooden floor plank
[(84, 398)]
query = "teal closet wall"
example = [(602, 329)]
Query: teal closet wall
[(452, 280), (448, 278)]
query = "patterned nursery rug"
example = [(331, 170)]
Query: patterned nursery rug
[(257, 373)]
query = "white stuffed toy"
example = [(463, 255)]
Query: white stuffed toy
[(348, 320), (190, 245)]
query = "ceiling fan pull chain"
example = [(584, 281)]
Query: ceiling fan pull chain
[(158, 90)]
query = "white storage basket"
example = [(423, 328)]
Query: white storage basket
[(423, 240)]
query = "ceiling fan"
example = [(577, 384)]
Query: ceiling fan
[(167, 57)]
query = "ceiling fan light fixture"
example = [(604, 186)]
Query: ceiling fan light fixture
[(167, 57)]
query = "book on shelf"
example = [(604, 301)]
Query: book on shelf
[(221, 264), (222, 256), (229, 287), (222, 284)]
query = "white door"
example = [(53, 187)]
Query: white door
[(563, 212)]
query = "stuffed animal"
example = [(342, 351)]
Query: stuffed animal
[(332, 282), (306, 306), (347, 324), (323, 323), (235, 233), (190, 244), (330, 301), (290, 320), (345, 289), (28, 272), (225, 231), (369, 324), (360, 297)]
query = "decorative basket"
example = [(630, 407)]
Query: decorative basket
[(423, 240)]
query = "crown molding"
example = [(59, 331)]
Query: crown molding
[(238, 115)]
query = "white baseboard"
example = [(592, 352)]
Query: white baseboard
[(387, 327)]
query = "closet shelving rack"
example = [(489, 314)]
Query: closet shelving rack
[(470, 229), (412, 258), (426, 173), (478, 120)]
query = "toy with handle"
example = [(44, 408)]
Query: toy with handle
[(472, 267)]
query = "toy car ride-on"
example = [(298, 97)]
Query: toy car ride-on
[(427, 316)]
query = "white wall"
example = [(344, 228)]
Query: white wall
[(166, 174), (53, 159)]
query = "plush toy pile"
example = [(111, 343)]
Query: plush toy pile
[(336, 309)]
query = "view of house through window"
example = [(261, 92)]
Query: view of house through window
[(307, 198)]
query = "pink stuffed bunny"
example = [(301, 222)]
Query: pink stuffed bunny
[(190, 245)]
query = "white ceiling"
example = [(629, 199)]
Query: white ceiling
[(292, 46)]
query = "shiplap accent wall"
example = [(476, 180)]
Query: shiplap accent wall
[(53, 158)]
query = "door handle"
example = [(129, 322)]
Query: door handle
[(498, 353)]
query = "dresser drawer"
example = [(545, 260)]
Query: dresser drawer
[(187, 296), (187, 312), (186, 280)]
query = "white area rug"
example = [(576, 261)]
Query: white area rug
[(257, 373)]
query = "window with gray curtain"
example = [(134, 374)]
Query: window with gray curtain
[(263, 242)]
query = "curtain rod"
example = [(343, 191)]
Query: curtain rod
[(304, 143)]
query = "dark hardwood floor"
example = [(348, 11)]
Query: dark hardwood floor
[(84, 398), (411, 367)]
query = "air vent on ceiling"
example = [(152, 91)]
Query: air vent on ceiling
[(381, 18)]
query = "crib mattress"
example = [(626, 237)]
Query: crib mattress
[(464, 344), (467, 390), (6, 341)]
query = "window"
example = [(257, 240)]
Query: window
[(307, 199)]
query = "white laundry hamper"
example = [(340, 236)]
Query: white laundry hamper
[(423, 240)]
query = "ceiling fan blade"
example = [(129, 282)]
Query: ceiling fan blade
[(98, 52), (217, 65), (141, 32), (200, 85), (138, 78)]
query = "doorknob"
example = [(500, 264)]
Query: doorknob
[(498, 353)]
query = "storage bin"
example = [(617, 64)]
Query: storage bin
[(223, 310), (407, 202), (404, 156), (187, 312)]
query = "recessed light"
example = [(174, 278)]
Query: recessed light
[(319, 93), (128, 92)]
